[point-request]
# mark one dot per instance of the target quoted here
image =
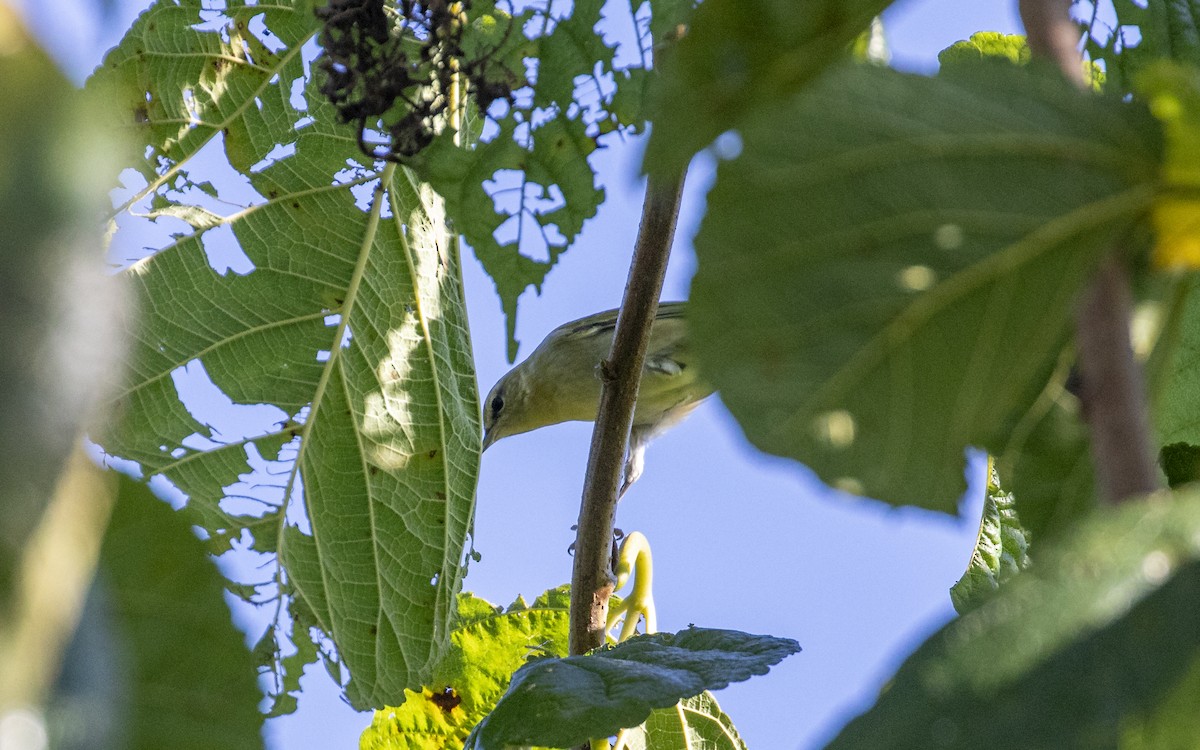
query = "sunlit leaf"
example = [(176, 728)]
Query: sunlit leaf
[(487, 645), (345, 320), (1001, 549)]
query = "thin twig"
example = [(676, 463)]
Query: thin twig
[(592, 577), (1112, 394)]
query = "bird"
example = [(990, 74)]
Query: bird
[(559, 382)]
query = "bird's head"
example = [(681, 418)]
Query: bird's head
[(506, 410)]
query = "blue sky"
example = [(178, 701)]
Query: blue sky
[(740, 540)]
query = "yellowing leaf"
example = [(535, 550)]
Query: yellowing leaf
[(1173, 91)]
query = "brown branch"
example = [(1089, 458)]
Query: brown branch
[(592, 577), (1112, 393), (1053, 36)]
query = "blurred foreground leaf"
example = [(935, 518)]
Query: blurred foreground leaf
[(1047, 462), (898, 284), (739, 58), (60, 309), (1144, 33), (1098, 645), (1175, 383), (190, 678)]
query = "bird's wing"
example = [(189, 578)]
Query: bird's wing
[(605, 322), (669, 352)]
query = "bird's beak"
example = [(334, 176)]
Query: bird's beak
[(489, 437)]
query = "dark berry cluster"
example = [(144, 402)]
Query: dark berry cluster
[(394, 66)]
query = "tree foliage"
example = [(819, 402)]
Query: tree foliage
[(888, 273)]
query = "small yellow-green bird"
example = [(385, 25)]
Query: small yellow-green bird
[(559, 382)]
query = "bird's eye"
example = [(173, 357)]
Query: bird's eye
[(497, 405)]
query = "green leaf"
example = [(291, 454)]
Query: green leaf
[(1001, 550), (1177, 400), (1048, 463), (897, 285), (565, 702), (350, 324), (984, 45), (191, 679), (1160, 29), (487, 645), (1097, 641), (1170, 28), (1173, 380), (738, 59), (540, 188), (558, 158), (696, 723), (989, 46), (286, 671)]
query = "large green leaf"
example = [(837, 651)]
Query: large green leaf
[(350, 323), (738, 58), (895, 282), (1098, 645), (565, 702), (189, 677)]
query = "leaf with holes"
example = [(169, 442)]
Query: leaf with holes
[(527, 189), (320, 296), (1144, 33), (897, 285)]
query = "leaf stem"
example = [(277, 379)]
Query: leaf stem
[(592, 579), (1113, 395)]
